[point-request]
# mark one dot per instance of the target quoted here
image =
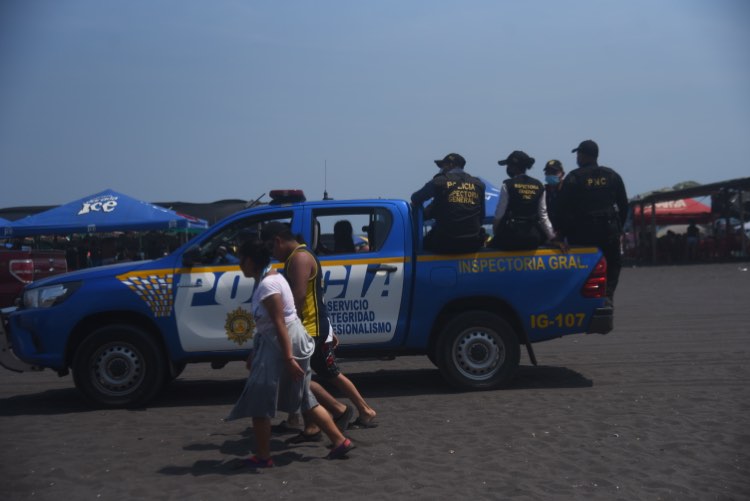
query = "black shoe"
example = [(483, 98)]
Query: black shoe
[(302, 437), (342, 421)]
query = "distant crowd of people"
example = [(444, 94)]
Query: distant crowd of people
[(699, 243), (86, 251)]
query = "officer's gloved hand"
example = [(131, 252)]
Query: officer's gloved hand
[(560, 244)]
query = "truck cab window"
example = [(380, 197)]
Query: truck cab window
[(349, 232), (222, 247)]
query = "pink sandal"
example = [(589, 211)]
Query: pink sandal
[(341, 450), (256, 462)]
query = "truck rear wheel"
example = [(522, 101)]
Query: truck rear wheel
[(119, 366), (478, 350)]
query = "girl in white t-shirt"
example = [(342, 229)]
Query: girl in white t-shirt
[(279, 363)]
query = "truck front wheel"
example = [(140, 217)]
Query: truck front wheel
[(119, 366), (478, 350)]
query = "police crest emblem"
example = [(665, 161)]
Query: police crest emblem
[(239, 326)]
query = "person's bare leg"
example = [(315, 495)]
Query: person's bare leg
[(262, 430), (327, 401), (345, 386), (324, 421)]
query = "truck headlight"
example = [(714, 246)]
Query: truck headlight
[(44, 297)]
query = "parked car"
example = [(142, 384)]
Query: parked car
[(19, 267)]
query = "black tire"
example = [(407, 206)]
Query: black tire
[(478, 350), (119, 366), (432, 355)]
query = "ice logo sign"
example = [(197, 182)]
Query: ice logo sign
[(100, 204)]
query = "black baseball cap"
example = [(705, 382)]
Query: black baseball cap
[(518, 159), (553, 166), (453, 159), (587, 147)]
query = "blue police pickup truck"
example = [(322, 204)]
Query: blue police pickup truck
[(126, 330)]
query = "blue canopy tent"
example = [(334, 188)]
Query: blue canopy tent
[(100, 213), (5, 227)]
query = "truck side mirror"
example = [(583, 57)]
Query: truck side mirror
[(191, 257)]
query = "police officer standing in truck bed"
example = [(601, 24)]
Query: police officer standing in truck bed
[(594, 206)]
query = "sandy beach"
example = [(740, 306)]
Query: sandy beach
[(657, 409)]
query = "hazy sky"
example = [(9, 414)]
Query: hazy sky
[(198, 100)]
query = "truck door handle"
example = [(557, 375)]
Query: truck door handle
[(383, 267), (198, 283)]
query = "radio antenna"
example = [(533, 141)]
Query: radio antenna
[(325, 180)]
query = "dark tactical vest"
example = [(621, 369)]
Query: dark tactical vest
[(459, 204), (595, 218), (520, 227), (524, 193)]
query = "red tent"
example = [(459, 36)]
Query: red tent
[(674, 212)]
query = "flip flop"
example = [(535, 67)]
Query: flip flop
[(255, 462), (302, 437), (359, 424), (340, 451), (343, 420)]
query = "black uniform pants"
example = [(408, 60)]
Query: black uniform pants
[(517, 235), (611, 251)]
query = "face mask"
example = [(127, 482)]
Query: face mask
[(549, 179)]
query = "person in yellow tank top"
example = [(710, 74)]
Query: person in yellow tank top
[(310, 290)]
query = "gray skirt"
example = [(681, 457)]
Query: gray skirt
[(269, 385)]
